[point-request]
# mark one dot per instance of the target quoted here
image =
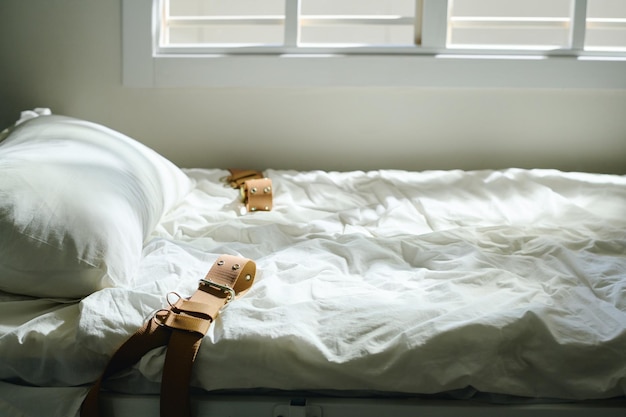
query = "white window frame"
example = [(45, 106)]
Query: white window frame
[(432, 66)]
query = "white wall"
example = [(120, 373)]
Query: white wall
[(66, 55)]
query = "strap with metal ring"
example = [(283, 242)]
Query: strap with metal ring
[(181, 327)]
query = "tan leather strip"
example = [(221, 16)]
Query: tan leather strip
[(197, 313), (173, 320), (191, 307), (180, 355), (232, 271), (258, 194)]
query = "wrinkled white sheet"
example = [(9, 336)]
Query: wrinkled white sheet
[(511, 282)]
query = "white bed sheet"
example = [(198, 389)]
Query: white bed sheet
[(510, 282)]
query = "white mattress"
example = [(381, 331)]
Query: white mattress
[(510, 282)]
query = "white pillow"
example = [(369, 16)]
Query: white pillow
[(77, 201)]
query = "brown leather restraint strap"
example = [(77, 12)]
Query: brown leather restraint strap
[(257, 194), (181, 327), (256, 190), (239, 176)]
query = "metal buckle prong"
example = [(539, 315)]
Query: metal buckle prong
[(224, 288)]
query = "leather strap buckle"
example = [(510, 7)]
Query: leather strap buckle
[(224, 288)]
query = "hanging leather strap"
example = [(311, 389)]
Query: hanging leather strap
[(181, 327)]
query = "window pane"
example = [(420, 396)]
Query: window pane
[(226, 7), (358, 7), (357, 35), (529, 24), (523, 38), (606, 8), (504, 8), (606, 25), (227, 34), (362, 22), (255, 22)]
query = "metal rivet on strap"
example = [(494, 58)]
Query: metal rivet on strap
[(267, 208), (252, 190), (236, 267), (252, 208), (267, 190), (220, 263), (248, 277)]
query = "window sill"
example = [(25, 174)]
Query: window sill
[(378, 71)]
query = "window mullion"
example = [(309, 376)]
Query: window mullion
[(578, 25), (418, 27), (434, 23), (292, 23), (164, 33)]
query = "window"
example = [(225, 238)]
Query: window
[(377, 26), (469, 43)]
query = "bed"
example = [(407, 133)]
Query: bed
[(377, 293)]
